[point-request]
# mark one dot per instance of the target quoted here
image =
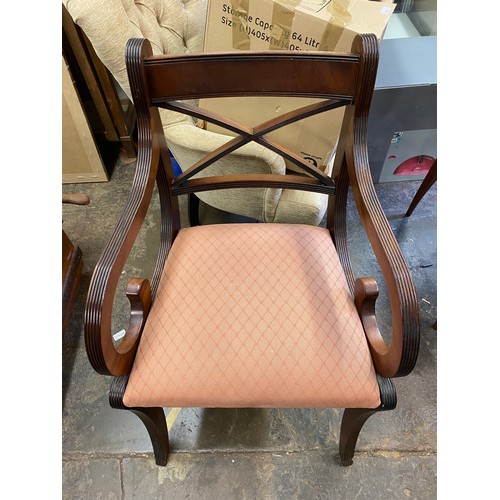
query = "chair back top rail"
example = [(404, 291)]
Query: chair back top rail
[(274, 73), (163, 81)]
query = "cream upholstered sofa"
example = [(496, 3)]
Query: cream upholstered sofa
[(177, 26)]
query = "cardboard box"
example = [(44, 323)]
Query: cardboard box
[(320, 25)]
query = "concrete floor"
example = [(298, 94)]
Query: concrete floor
[(248, 453)]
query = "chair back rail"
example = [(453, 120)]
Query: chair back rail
[(274, 73), (164, 81)]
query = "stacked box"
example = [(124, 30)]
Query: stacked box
[(320, 25)]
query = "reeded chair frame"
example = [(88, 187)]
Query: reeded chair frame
[(340, 80)]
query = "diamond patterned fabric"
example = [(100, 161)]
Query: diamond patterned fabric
[(253, 315)]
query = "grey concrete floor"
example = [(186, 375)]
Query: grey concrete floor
[(248, 453)]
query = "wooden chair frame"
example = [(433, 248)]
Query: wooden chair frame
[(340, 79)]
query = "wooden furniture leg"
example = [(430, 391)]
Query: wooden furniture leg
[(427, 183), (72, 265), (354, 419), (152, 418)]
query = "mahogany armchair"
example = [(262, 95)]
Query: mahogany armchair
[(253, 314)]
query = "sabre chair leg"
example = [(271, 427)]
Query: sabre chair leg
[(352, 422), (354, 419), (152, 418), (427, 183), (156, 425)]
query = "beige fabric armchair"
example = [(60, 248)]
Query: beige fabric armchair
[(177, 26)]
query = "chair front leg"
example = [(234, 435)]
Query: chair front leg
[(152, 418), (354, 419)]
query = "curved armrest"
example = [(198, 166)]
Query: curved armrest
[(105, 357), (399, 357)]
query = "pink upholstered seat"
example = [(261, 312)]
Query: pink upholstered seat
[(253, 315)]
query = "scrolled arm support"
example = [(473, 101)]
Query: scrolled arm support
[(386, 359), (153, 165), (399, 357), (352, 167), (105, 357), (139, 295)]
